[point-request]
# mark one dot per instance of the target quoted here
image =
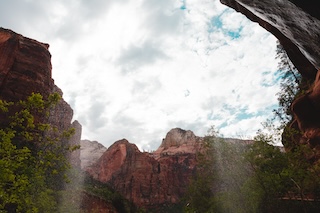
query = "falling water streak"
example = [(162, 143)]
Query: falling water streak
[(71, 198), (231, 173)]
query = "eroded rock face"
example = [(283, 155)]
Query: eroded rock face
[(296, 23), (179, 141), (25, 68), (149, 179)]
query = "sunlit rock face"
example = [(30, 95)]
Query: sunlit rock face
[(149, 179), (90, 152), (179, 141), (25, 68), (296, 23)]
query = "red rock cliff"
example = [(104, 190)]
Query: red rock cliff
[(150, 179), (25, 67)]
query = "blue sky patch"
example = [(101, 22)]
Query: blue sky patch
[(234, 34), (224, 124), (276, 77), (243, 114), (183, 7), (216, 24)]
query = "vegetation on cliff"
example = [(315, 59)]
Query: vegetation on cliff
[(33, 159), (109, 195)]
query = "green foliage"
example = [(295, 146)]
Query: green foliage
[(32, 157), (282, 176), (106, 193)]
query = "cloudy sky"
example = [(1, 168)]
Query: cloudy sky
[(136, 69)]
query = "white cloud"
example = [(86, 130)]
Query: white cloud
[(136, 69)]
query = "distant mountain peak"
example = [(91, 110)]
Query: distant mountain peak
[(178, 141)]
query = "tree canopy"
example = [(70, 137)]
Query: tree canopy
[(32, 157)]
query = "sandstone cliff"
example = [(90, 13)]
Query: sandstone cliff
[(179, 141), (25, 67), (151, 179), (296, 23)]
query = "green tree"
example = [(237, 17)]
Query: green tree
[(31, 155), (270, 179)]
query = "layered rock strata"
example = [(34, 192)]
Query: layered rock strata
[(152, 179), (25, 68), (149, 179)]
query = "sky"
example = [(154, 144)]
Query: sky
[(136, 69)]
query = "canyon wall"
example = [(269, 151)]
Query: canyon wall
[(25, 68), (150, 179), (156, 179)]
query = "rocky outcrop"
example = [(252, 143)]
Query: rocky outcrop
[(90, 152), (149, 179), (152, 180), (179, 141), (25, 68), (129, 171), (296, 23), (155, 179)]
